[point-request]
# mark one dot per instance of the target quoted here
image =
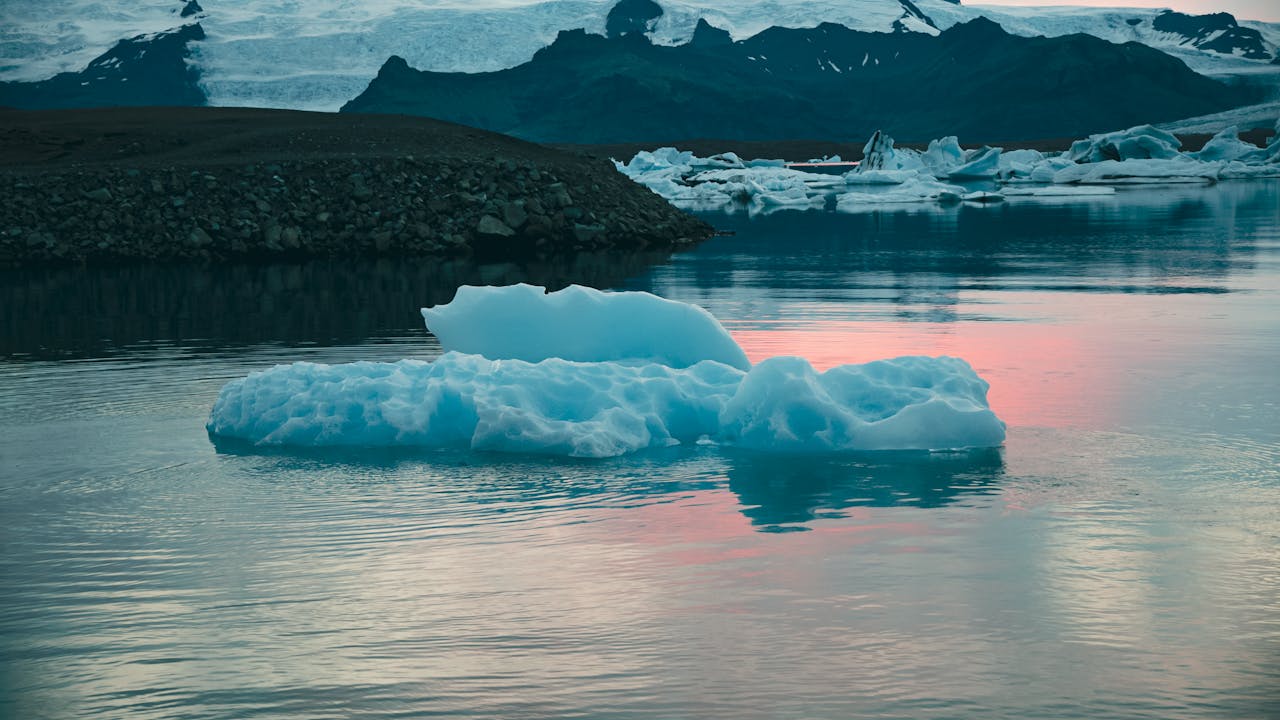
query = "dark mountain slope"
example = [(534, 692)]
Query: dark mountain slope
[(144, 70), (1217, 32), (974, 80)]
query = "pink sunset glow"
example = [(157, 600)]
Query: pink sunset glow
[(1266, 10)]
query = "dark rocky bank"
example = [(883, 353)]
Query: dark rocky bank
[(175, 184)]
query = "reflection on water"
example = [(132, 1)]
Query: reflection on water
[(98, 312), (783, 493), (1116, 559), (1140, 241)]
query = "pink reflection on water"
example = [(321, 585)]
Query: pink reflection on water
[(1041, 375), (1038, 376)]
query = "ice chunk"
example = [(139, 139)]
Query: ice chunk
[(1059, 191), (1018, 165), (462, 401), (982, 163), (909, 403), (725, 180), (1180, 170), (1236, 170), (1226, 145), (578, 323), (604, 409), (916, 190), (1044, 172), (883, 177), (879, 154), (1138, 143), (943, 155), (617, 402)]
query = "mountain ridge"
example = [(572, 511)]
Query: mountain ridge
[(973, 79)]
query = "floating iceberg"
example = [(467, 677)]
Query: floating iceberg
[(943, 155), (525, 322), (916, 190), (879, 154), (981, 163), (1227, 146), (1143, 142), (1060, 191), (1129, 172), (1139, 155), (616, 396)]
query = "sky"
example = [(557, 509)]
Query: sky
[(1268, 10)]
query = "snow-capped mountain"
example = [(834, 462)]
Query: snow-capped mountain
[(150, 69), (972, 79), (319, 54)]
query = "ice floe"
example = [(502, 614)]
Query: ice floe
[(890, 175), (606, 393)]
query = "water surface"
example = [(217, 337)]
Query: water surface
[(1119, 557)]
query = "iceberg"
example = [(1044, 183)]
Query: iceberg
[(917, 190), (1139, 155), (1143, 142), (879, 154), (981, 163), (1226, 145), (525, 322), (1121, 172), (645, 373), (1060, 191), (942, 155)]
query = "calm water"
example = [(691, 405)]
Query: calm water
[(1119, 557)]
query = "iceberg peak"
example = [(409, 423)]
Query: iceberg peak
[(525, 322)]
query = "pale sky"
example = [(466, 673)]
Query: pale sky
[(1268, 10)]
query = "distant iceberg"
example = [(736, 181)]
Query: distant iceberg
[(892, 175), (645, 372)]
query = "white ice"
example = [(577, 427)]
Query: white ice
[(891, 175), (525, 322), (603, 406), (1143, 142), (916, 190)]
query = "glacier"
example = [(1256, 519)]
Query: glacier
[(318, 55), (615, 397)]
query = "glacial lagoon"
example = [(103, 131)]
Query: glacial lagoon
[(1117, 557)]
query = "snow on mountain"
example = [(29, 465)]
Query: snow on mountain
[(1202, 51), (41, 39), (317, 55)]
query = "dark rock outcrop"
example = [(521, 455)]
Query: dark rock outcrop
[(632, 16), (974, 80), (221, 183), (144, 70), (706, 35), (1216, 32)]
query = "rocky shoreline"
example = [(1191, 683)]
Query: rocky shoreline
[(213, 184)]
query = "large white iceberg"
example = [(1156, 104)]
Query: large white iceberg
[(615, 397)]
